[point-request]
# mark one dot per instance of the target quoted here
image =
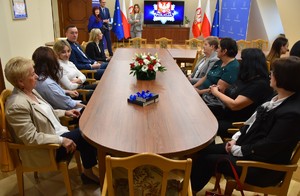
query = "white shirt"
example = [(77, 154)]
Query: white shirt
[(70, 72), (59, 129)]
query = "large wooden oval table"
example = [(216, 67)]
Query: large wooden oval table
[(179, 124)]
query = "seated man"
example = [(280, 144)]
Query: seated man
[(79, 58), (210, 46)]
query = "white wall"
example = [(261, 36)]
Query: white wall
[(22, 37)]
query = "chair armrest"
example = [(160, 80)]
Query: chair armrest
[(32, 147), (232, 130), (91, 81), (67, 121), (276, 167), (238, 124), (86, 72), (84, 93)]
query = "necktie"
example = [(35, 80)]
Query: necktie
[(103, 10), (81, 51)]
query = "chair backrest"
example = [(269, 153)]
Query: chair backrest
[(135, 170), (242, 44), (137, 42), (83, 45), (163, 42), (60, 38), (6, 160), (194, 43), (261, 44)]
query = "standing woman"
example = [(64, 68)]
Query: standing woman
[(95, 19), (136, 21), (280, 46)]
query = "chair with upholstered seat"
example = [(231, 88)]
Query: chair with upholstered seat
[(242, 44), (137, 42), (147, 173), (194, 44), (261, 44), (163, 42), (15, 148)]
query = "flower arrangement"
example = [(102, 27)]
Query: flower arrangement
[(146, 64)]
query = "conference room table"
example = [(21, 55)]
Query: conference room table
[(182, 55), (179, 124)]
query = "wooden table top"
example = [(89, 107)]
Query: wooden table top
[(179, 124), (179, 53)]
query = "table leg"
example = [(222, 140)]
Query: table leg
[(101, 165)]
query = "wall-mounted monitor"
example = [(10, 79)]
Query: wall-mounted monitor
[(164, 12)]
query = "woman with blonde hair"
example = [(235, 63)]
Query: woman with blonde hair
[(34, 122), (94, 49), (72, 78)]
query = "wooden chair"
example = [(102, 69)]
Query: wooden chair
[(166, 169), (83, 45), (61, 166), (242, 44), (194, 44), (191, 66), (60, 38), (261, 44), (279, 189), (137, 42), (163, 42)]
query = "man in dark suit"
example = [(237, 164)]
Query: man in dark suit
[(105, 16), (79, 58)]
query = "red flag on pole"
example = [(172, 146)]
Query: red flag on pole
[(196, 28), (206, 24), (126, 25)]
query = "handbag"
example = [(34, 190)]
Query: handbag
[(212, 101), (236, 177)]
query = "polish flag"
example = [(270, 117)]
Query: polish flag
[(126, 25), (196, 28), (206, 24), (130, 8)]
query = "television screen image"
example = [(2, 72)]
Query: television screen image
[(164, 12)]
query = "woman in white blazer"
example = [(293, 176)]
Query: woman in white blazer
[(33, 121)]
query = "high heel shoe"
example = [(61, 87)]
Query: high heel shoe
[(87, 180)]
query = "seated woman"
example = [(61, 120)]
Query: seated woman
[(210, 46), (269, 135), (94, 49), (224, 72), (48, 70), (72, 78), (280, 46), (34, 121), (250, 91)]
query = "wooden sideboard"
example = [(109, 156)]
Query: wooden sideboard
[(178, 34)]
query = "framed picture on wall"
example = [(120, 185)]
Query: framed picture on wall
[(19, 9)]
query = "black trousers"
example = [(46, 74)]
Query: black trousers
[(212, 159), (88, 153)]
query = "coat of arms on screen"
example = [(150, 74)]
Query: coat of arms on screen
[(164, 11)]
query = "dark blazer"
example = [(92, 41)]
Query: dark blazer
[(104, 16), (93, 52), (274, 134), (81, 61)]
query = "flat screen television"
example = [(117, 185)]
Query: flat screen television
[(164, 12)]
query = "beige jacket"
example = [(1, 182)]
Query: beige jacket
[(29, 125)]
